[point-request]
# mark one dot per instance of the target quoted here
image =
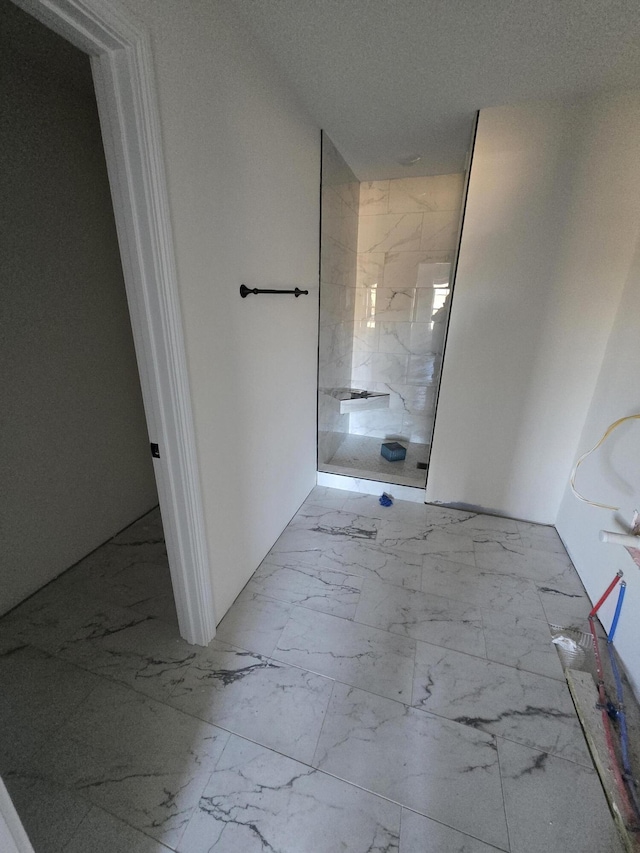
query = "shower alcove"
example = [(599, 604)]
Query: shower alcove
[(387, 250)]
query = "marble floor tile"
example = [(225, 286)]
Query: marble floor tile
[(136, 758), (486, 528), (38, 693), (553, 804), (359, 455), (498, 699), (431, 618), (370, 506), (521, 642), (498, 590), (56, 616), (419, 834), (562, 607), (328, 590), (357, 558), (541, 537), (254, 623), (334, 523), (542, 567), (279, 706), (427, 539), (441, 769), (101, 832), (127, 575), (331, 498), (356, 654), (50, 813), (257, 800), (150, 656)]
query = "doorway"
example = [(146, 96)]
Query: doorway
[(124, 87)]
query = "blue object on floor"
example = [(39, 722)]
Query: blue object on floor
[(393, 451), (385, 499)]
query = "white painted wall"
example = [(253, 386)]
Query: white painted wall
[(243, 167), (549, 235), (611, 476), (74, 451)]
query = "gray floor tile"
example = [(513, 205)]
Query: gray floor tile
[(254, 622), (419, 834), (365, 559), (327, 590), (57, 616), (138, 759), (521, 642), (334, 524), (553, 804), (101, 832), (543, 567), (50, 813), (541, 537), (431, 618), (257, 800), (331, 498), (563, 607), (486, 528), (150, 655), (500, 700), (498, 590), (353, 653), (436, 767), (127, 575), (265, 700), (38, 693), (429, 539)]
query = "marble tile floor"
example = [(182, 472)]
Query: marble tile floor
[(359, 456), (384, 682)]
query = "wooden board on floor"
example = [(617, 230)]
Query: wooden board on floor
[(584, 692)]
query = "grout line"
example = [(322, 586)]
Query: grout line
[(504, 802)]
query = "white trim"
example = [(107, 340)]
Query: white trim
[(13, 838), (125, 91), (371, 487)]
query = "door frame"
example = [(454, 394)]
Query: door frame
[(124, 80)]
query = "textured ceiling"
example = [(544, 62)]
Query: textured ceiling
[(392, 78)]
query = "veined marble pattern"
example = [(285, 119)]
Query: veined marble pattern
[(257, 800), (400, 752), (350, 652), (328, 590), (500, 700), (274, 704), (421, 615), (352, 699), (136, 758), (390, 232), (537, 783)]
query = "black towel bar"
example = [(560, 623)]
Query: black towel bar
[(245, 291)]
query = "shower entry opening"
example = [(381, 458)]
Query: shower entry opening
[(386, 259)]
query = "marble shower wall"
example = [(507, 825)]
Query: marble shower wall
[(407, 232), (339, 243)]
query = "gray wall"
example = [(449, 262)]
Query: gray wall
[(74, 455)]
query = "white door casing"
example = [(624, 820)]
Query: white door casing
[(124, 82)]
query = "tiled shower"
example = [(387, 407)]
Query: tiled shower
[(386, 253)]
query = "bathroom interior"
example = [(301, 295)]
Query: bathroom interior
[(388, 250)]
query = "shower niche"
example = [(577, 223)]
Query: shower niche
[(387, 251)]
